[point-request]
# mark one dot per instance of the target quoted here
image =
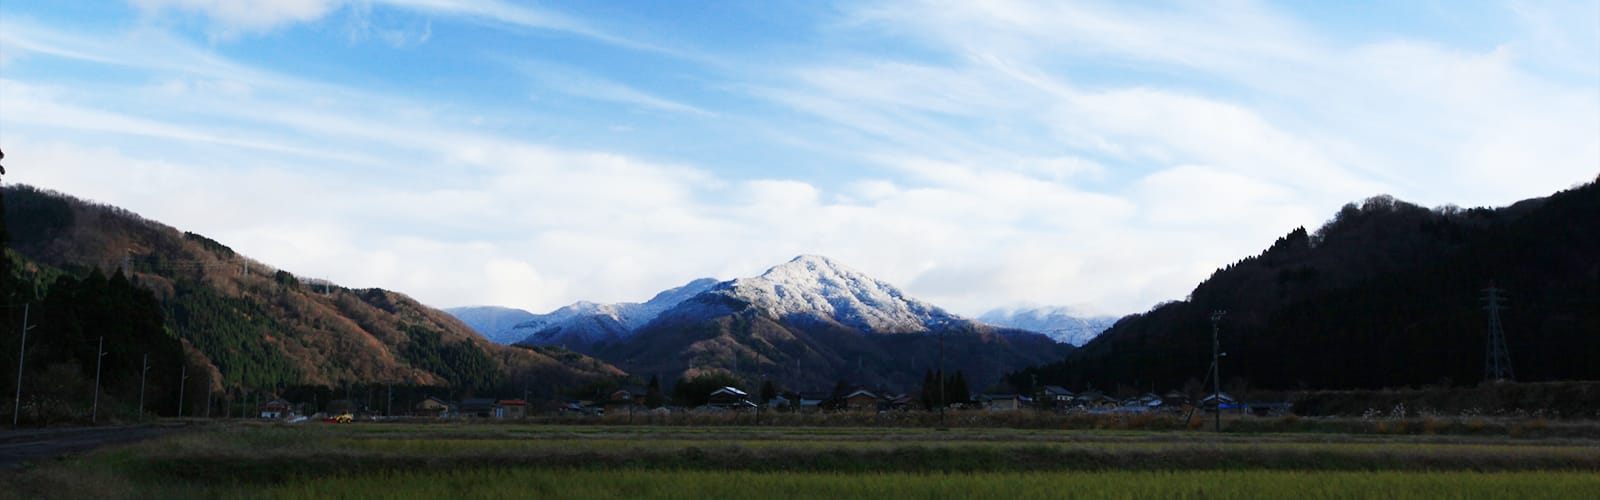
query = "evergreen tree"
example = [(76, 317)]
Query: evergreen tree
[(768, 391), (652, 393), (956, 390)]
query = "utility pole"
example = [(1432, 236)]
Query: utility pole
[(22, 352), (1034, 388), (942, 403), (1497, 359), (1216, 365), (144, 368), (99, 353), (183, 382)]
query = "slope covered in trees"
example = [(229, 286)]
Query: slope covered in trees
[(251, 326), (809, 354), (1386, 294)]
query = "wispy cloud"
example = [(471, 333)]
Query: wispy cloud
[(1099, 155), (574, 82), (233, 18)]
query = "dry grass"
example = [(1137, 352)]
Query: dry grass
[(226, 459)]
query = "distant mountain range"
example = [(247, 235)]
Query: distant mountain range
[(582, 325), (809, 322), (492, 321), (1060, 323)]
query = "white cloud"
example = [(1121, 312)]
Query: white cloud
[(249, 16), (230, 18), (1005, 167)]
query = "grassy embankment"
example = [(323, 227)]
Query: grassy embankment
[(383, 460)]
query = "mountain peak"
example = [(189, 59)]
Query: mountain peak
[(813, 285), (583, 323), (807, 268)]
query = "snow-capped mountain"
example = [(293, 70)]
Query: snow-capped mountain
[(490, 321), (584, 323), (811, 322), (819, 288), (1059, 323)]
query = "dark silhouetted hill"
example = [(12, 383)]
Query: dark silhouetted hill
[(1387, 294)]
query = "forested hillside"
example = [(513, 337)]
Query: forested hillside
[(248, 326), (1386, 294), (813, 355)]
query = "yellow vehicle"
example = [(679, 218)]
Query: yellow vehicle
[(341, 419)]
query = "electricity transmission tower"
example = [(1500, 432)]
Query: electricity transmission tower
[(1216, 365), (1497, 360)]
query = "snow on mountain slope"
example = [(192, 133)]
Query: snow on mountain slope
[(1060, 323), (584, 323), (819, 288), (490, 321), (811, 322)]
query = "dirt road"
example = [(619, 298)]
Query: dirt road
[(32, 445)]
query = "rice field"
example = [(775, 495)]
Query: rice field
[(529, 483), (563, 461)]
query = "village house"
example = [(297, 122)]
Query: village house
[(730, 398), (276, 409), (1213, 401), (1002, 402), (431, 407), (1174, 399), (1270, 409), (861, 400), (1055, 396), (479, 407), (1148, 400), (512, 408), (618, 401), (813, 400), (900, 402), (1094, 399)]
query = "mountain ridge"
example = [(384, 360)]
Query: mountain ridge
[(812, 322), (1386, 294), (582, 324), (1063, 324), (253, 325)]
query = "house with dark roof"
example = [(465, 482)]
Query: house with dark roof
[(730, 398), (814, 401), (275, 409), (1213, 401), (1055, 396), (900, 402), (1174, 399), (480, 407), (432, 407), (1002, 402), (860, 400)]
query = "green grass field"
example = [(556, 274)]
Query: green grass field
[(511, 461)]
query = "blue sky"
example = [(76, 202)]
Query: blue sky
[(1104, 156)]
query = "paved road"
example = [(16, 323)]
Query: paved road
[(32, 445)]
